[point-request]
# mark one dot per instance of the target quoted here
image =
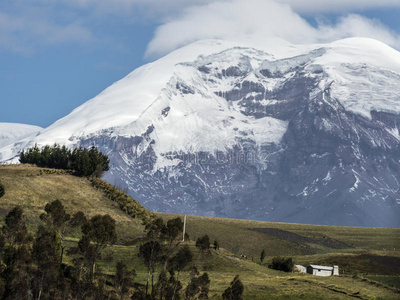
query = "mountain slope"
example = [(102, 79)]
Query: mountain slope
[(11, 133), (276, 132)]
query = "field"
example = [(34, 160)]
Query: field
[(368, 258)]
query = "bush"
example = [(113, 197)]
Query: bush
[(234, 291), (125, 202), (2, 190), (282, 264)]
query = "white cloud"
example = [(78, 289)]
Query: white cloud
[(24, 33), (244, 18), (329, 6), (136, 9), (356, 25), (231, 19), (167, 7), (27, 25)]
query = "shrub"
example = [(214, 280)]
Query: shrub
[(282, 264), (125, 202)]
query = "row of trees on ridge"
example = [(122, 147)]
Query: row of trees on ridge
[(82, 161)]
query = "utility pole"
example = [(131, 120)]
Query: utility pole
[(184, 229)]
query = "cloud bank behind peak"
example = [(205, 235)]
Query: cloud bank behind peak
[(237, 19)]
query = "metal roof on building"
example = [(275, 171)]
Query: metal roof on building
[(321, 267)]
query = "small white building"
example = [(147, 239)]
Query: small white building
[(300, 268), (322, 270)]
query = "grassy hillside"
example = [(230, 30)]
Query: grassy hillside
[(369, 257), (251, 237), (33, 187)]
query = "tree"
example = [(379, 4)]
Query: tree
[(198, 287), (234, 291), (15, 255), (15, 271), (168, 288), (123, 279), (2, 190), (100, 230), (46, 251), (85, 162), (15, 230), (173, 229), (216, 245), (150, 253), (181, 259), (99, 162), (155, 228), (262, 256), (57, 218), (203, 243), (56, 215)]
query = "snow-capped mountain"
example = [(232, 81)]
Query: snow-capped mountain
[(10, 134), (273, 131)]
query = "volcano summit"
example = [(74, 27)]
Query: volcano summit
[(274, 132)]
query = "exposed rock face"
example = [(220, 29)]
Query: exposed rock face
[(332, 166), (242, 134)]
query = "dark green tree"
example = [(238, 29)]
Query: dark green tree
[(198, 287), (174, 286), (203, 243), (155, 228), (234, 291), (181, 259), (150, 253), (123, 279), (100, 230), (15, 230), (282, 264), (15, 273), (46, 251), (98, 161), (45, 157), (262, 256), (2, 190), (175, 265), (83, 161), (216, 245), (15, 256), (173, 230), (60, 221)]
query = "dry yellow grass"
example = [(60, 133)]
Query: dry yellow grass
[(30, 187)]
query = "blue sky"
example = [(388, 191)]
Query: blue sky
[(57, 54)]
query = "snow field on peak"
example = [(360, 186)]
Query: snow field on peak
[(11, 133), (365, 75), (125, 100), (197, 120)]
